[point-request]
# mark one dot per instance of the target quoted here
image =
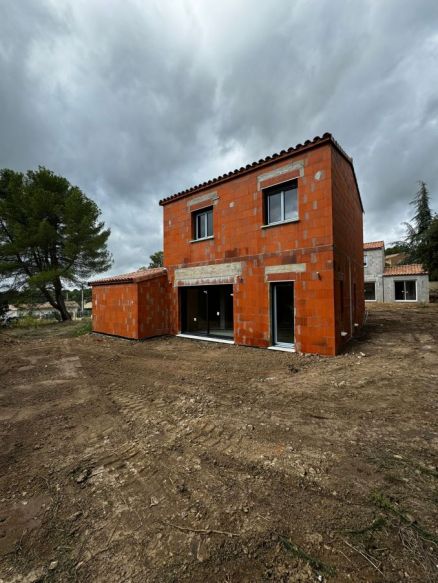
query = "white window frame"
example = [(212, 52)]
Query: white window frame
[(203, 213), (365, 260), (404, 289), (276, 345), (280, 191)]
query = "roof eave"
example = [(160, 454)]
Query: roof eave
[(317, 142)]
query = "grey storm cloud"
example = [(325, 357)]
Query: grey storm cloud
[(135, 100)]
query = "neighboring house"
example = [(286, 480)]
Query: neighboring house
[(41, 310), (270, 255), (395, 259), (374, 266), (401, 283)]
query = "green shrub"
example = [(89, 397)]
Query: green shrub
[(84, 328), (30, 321)]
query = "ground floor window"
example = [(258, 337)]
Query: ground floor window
[(282, 297), (370, 290), (405, 290), (207, 311)]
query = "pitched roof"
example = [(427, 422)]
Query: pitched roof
[(374, 245), (327, 138), (132, 277), (412, 269), (400, 254)]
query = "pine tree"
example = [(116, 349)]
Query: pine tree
[(423, 214), (421, 221), (50, 235)]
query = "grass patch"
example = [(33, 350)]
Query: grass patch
[(385, 504), (392, 461), (30, 322), (312, 561), (84, 328), (376, 525)]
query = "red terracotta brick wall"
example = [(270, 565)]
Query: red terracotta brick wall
[(348, 241), (115, 309), (238, 236), (132, 310), (153, 307)]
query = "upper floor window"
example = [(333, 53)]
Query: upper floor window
[(365, 260), (281, 203), (203, 223)]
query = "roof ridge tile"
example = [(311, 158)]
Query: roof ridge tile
[(327, 136)]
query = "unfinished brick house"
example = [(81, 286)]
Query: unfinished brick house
[(269, 255)]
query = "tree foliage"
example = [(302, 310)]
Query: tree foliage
[(423, 214), (4, 305), (397, 248), (156, 259), (50, 235), (421, 239), (427, 251), (76, 295)]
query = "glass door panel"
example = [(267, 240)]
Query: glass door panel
[(283, 314)]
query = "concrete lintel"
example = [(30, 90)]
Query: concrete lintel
[(298, 165), (210, 196), (205, 272), (287, 268)]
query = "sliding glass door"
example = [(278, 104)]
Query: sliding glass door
[(207, 311)]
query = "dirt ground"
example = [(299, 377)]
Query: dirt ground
[(177, 460)]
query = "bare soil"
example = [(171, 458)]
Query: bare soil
[(177, 460)]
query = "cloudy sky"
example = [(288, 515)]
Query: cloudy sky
[(133, 100)]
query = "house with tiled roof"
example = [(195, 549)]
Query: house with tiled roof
[(398, 283), (268, 255)]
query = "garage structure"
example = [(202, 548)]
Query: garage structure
[(133, 305)]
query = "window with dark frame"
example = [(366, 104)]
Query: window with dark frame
[(281, 203), (370, 291), (203, 224)]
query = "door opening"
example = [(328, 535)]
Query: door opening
[(207, 311), (282, 299)]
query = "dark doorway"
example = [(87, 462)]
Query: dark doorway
[(370, 291), (283, 314), (207, 311)]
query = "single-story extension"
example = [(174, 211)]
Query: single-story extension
[(400, 283)]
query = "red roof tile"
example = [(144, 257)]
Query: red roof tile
[(133, 277), (374, 245), (327, 138), (412, 269)]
